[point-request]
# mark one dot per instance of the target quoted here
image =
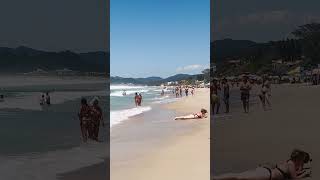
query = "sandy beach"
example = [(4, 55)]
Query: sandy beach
[(243, 141), (184, 155)]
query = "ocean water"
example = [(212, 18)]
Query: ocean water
[(40, 143), (123, 107)]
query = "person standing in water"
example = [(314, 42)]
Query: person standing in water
[(97, 118), (136, 99), (226, 94), (42, 100), (85, 119), (245, 94), (140, 99), (48, 101)]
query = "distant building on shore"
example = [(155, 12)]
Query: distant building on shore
[(65, 72), (38, 72)]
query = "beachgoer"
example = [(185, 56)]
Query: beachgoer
[(124, 93), (48, 101), (42, 100), (267, 84), (162, 92), (140, 99), (245, 94), (290, 169), (97, 117), (226, 94), (180, 91), (215, 98), (262, 96), (192, 91), (85, 119), (186, 91), (136, 99), (198, 115)]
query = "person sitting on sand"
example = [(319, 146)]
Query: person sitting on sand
[(198, 115), (290, 169)]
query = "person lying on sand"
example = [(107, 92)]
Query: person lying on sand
[(199, 115), (290, 169)]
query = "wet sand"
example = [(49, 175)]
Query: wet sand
[(243, 141), (164, 148), (94, 172)]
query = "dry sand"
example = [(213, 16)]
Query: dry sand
[(243, 141), (184, 157)]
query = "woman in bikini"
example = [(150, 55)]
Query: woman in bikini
[(85, 119), (199, 115), (290, 169)]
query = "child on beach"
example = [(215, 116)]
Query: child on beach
[(198, 115), (290, 169)]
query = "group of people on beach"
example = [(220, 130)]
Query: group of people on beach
[(245, 86), (138, 99), (179, 91), (90, 117), (45, 99)]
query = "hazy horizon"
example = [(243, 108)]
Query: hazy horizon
[(260, 21)]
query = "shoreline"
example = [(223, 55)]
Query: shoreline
[(187, 142)]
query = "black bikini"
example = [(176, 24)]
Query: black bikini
[(285, 175)]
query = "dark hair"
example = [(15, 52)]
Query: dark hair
[(300, 155), (83, 101), (204, 111)]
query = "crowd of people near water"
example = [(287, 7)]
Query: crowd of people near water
[(91, 117), (179, 90), (221, 90)]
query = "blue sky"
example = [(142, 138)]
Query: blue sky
[(159, 37)]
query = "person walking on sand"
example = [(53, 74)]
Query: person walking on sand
[(186, 91), (215, 97), (85, 119), (267, 85), (262, 96), (245, 94), (177, 92), (226, 94), (192, 91), (97, 119), (180, 91), (290, 169)]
